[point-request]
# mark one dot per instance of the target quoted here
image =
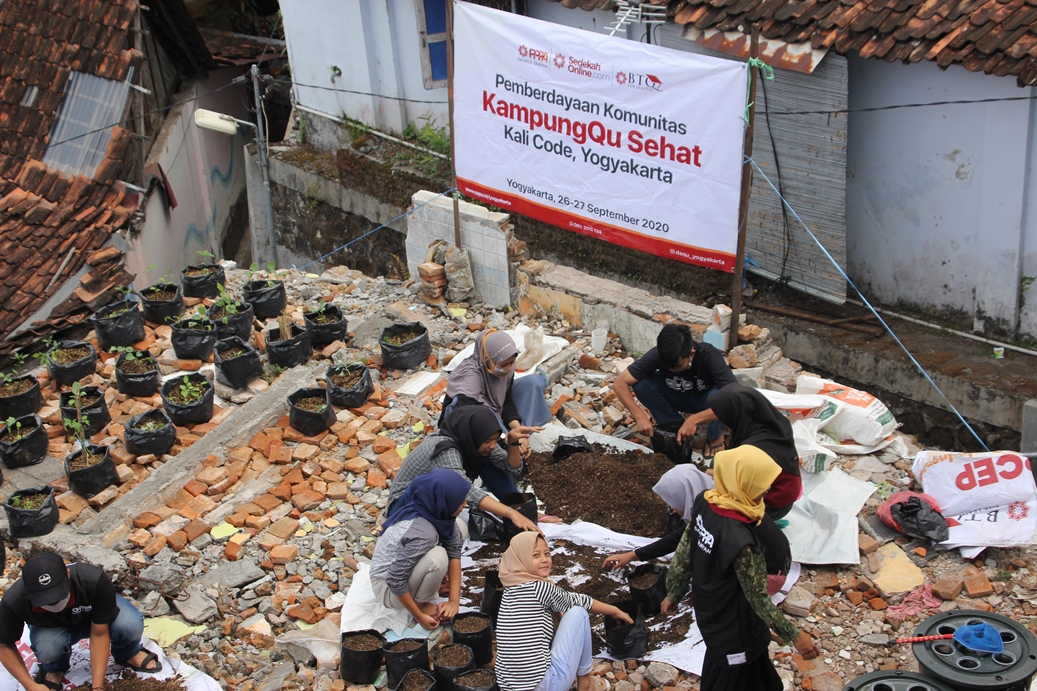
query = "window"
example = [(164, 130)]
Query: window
[(29, 98), (83, 126), (432, 32)]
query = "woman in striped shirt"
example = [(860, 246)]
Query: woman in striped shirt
[(531, 655)]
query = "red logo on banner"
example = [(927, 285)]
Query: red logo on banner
[(559, 61), (523, 51), (1018, 510), (621, 78)]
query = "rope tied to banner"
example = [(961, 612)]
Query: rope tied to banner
[(765, 70)]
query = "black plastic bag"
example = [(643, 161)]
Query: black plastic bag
[(409, 354), (92, 480), (191, 413), (483, 526), (123, 329), (150, 441), (665, 442), (649, 600), (96, 414), (324, 332), (310, 422), (69, 373), (161, 311), (481, 642), (424, 674), (474, 680), (399, 662), (445, 674), (267, 300), (137, 383), (918, 518), (236, 372), (30, 449), (353, 396), (361, 666), (21, 404), (193, 338), (203, 285), (523, 502), (492, 592), (288, 352), (567, 446), (627, 641), (31, 522), (237, 324)]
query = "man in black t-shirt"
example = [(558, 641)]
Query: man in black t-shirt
[(63, 605), (676, 376)]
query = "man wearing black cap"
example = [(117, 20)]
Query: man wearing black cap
[(63, 605)]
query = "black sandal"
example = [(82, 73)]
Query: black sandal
[(41, 678), (143, 667)]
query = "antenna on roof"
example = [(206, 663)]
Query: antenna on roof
[(635, 12)]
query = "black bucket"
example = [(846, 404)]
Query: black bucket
[(649, 598), (31, 522), (627, 641), (158, 310), (92, 480), (236, 372), (25, 403), (399, 662), (69, 373), (96, 414), (326, 325), (310, 423), (30, 449), (492, 592), (191, 413), (205, 285), (137, 383), (150, 441), (409, 354), (361, 666), (481, 641), (237, 324), (267, 300), (193, 338), (445, 673), (125, 328), (523, 502), (291, 352), (350, 396)]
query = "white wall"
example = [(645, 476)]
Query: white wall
[(556, 13), (207, 174), (937, 213), (376, 45)]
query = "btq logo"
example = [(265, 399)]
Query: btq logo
[(45, 579), (636, 80)]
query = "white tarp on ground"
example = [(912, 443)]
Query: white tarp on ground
[(823, 522), (79, 670)]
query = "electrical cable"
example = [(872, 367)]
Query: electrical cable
[(867, 304), (875, 109), (358, 93)]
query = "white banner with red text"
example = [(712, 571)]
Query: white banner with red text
[(627, 142)]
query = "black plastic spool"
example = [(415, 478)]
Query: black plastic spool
[(895, 680)]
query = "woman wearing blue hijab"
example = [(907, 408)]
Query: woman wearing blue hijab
[(420, 544)]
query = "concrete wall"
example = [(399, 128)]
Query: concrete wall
[(484, 233), (937, 212), (375, 45), (206, 172)]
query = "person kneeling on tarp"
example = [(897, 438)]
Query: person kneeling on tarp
[(421, 544), (63, 605), (531, 652)]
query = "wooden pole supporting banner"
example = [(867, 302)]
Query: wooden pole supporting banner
[(450, 99), (743, 205)]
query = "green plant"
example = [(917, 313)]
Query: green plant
[(77, 428), (41, 357), (130, 352), (29, 502), (884, 489), (310, 195), (271, 373), (206, 254), (1003, 575), (13, 429), (151, 425), (20, 358), (124, 291), (5, 378), (225, 303), (191, 391)]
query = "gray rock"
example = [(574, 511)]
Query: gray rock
[(296, 652), (153, 605), (660, 674), (278, 677), (231, 574), (165, 578), (198, 607), (799, 601), (875, 639)]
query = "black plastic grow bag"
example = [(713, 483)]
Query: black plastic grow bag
[(236, 372), (406, 355), (481, 642), (361, 666), (156, 441), (238, 324), (193, 338), (290, 352), (92, 480), (205, 285), (123, 329), (398, 663), (159, 311), (30, 449), (191, 413), (137, 383), (445, 675), (324, 333), (267, 300), (523, 502), (650, 599), (69, 373), (32, 522), (353, 396), (21, 404), (96, 414), (309, 422), (627, 641)]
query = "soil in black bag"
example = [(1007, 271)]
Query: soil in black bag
[(474, 630), (93, 409), (70, 361), (665, 442), (648, 588), (627, 641), (310, 411), (523, 502), (268, 298), (31, 512), (404, 655), (150, 432), (417, 680), (449, 661), (193, 338), (325, 325), (23, 442), (237, 362), (188, 399), (161, 303), (91, 472), (136, 377), (19, 397), (476, 680), (118, 324), (202, 281), (567, 446), (492, 592), (405, 346), (349, 385), (361, 656), (484, 526), (288, 352), (232, 319)]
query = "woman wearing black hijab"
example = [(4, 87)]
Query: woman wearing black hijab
[(466, 443), (754, 420)]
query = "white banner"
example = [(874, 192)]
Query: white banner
[(631, 143)]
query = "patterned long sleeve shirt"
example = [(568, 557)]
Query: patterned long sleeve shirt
[(751, 570)]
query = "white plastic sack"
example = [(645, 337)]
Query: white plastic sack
[(864, 418), (551, 346), (964, 482)]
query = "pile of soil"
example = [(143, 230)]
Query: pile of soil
[(471, 624), (314, 404), (138, 365), (64, 356), (232, 352), (348, 379), (478, 679), (400, 339), (405, 645), (84, 460), (361, 642), (644, 581), (204, 270), (415, 681), (15, 387), (135, 683), (159, 295), (613, 490), (453, 656)]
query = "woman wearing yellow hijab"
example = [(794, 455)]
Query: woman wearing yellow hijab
[(721, 554)]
